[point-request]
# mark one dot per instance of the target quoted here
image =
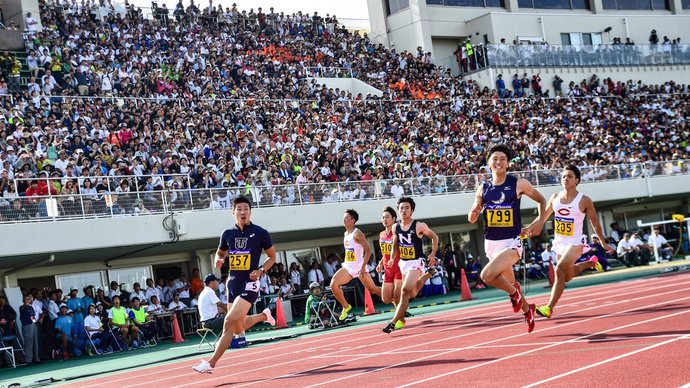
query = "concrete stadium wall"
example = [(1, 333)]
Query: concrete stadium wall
[(352, 85), (66, 236)]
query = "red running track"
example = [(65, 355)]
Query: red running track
[(633, 333)]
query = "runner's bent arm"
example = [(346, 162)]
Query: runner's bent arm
[(220, 257), (361, 239), (526, 188), (426, 231), (594, 221), (271, 253), (477, 206)]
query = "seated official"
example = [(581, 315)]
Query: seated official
[(64, 329), (211, 308), (95, 330), (119, 321), (176, 304), (142, 320)]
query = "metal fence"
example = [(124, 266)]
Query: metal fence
[(162, 194), (542, 55)]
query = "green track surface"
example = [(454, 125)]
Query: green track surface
[(56, 372)]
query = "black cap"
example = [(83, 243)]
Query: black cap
[(209, 278)]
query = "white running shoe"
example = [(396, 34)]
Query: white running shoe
[(269, 318), (203, 367)]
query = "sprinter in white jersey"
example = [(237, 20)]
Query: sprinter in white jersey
[(570, 208), (357, 253)]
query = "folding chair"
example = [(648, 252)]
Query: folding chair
[(10, 355), (329, 306), (116, 339), (203, 332), (94, 343)]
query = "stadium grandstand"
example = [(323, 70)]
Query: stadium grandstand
[(127, 132)]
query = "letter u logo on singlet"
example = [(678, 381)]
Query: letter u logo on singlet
[(405, 239)]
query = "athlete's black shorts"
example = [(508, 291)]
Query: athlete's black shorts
[(244, 288)]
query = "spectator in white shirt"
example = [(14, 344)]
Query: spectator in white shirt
[(330, 267), (182, 287), (547, 255), (397, 191), (662, 249), (94, 328), (152, 290), (139, 293), (626, 251), (211, 309), (154, 306), (30, 23), (176, 303), (315, 274)]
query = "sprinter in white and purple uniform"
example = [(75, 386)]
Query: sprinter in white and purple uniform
[(499, 201)]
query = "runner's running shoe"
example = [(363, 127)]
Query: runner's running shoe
[(516, 299), (597, 264), (343, 315), (544, 311), (529, 318), (389, 328), (400, 324), (203, 367), (269, 317)]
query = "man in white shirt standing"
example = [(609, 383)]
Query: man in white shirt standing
[(211, 309), (547, 255), (315, 274), (662, 249)]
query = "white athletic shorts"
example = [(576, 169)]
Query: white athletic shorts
[(353, 267), (494, 247), (560, 244), (410, 265)]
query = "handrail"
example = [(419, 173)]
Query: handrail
[(182, 197)]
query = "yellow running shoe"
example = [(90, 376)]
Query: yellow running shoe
[(544, 311), (345, 312), (597, 264), (400, 324)]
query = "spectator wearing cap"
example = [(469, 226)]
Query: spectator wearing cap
[(64, 329), (211, 309), (314, 296), (76, 304), (95, 329), (598, 250)]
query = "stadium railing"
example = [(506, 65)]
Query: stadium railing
[(586, 55), (177, 192)]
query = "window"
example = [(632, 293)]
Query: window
[(686, 4), (554, 4), (395, 6), (636, 4), (81, 280), (467, 3), (130, 275), (581, 38)]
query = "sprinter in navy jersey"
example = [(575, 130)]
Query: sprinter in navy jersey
[(243, 245), (499, 200), (407, 243)]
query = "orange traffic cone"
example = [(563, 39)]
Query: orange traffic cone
[(177, 333), (369, 308), (280, 316), (465, 293), (551, 273)]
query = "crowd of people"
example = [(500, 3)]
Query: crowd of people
[(226, 102)]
